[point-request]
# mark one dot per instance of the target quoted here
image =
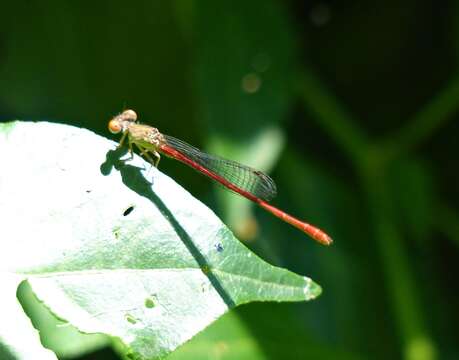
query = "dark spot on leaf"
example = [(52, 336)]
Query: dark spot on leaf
[(204, 287), (88, 191), (131, 319), (205, 269), (128, 210), (116, 232)]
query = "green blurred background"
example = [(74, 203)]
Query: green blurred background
[(350, 106)]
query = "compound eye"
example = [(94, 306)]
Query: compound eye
[(114, 126), (129, 114)]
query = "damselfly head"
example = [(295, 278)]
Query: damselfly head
[(121, 121)]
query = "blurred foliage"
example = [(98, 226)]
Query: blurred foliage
[(364, 97)]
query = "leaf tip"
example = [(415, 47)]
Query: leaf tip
[(311, 289)]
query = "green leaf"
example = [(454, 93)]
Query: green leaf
[(414, 191), (116, 247), (18, 338), (245, 60), (238, 335), (149, 39), (227, 338), (63, 338)]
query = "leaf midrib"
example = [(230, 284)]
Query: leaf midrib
[(103, 271)]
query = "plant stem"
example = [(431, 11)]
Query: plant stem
[(447, 221), (433, 115), (400, 281), (332, 116), (371, 161)]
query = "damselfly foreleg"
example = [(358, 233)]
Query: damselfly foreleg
[(144, 152)]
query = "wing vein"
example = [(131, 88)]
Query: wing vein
[(244, 177)]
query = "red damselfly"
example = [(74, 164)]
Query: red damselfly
[(250, 183)]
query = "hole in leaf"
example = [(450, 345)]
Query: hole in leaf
[(131, 319), (149, 303), (128, 210)]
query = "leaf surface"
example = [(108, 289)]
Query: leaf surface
[(116, 247)]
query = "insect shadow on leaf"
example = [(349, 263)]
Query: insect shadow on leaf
[(132, 177)]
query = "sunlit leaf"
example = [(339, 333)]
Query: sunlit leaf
[(60, 336), (18, 338), (116, 247)]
